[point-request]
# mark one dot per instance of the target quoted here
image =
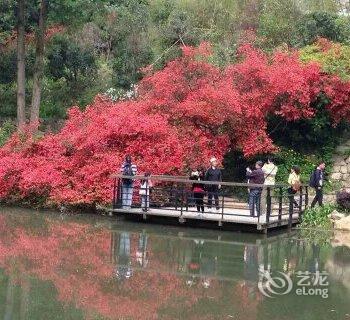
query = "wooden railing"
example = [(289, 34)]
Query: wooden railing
[(175, 194)]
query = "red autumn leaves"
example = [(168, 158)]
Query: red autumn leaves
[(185, 113)]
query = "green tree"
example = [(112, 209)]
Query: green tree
[(39, 62), (127, 39), (325, 25), (32, 16), (278, 23), (71, 70), (7, 20)]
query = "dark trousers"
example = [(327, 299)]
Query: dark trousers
[(318, 198), (254, 201), (198, 198), (291, 193), (213, 192)]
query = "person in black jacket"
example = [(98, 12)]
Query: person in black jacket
[(317, 182), (256, 177), (213, 174)]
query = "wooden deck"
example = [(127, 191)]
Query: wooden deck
[(230, 216), (172, 200)]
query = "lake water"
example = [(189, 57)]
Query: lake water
[(56, 266)]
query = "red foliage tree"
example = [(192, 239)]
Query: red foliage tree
[(184, 114)]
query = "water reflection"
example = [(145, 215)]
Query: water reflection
[(93, 268)]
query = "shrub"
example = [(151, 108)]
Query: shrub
[(334, 58), (318, 217), (287, 158), (182, 115), (343, 200), (8, 100), (323, 24)]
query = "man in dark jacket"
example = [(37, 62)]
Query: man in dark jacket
[(255, 177), (317, 182), (213, 174)]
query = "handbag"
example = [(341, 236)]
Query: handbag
[(296, 186)]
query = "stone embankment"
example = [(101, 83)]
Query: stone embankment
[(340, 221), (340, 173)]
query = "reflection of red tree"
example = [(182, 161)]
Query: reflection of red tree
[(247, 297), (76, 259)]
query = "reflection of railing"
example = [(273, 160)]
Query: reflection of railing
[(272, 205)]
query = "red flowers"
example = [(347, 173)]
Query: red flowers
[(185, 113)]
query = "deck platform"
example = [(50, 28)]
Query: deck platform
[(230, 216), (172, 201)]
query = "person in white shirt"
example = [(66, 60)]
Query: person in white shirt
[(270, 172), (294, 184), (144, 192)]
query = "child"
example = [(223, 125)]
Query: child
[(198, 189), (145, 186)]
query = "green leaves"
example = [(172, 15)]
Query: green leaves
[(318, 217), (334, 58), (6, 131), (324, 25), (66, 59), (7, 19)]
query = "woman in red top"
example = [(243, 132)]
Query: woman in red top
[(198, 189)]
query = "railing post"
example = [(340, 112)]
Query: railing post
[(119, 194), (181, 219), (290, 220), (280, 203), (186, 196), (176, 195), (182, 201), (268, 205), (114, 192), (258, 203), (300, 199), (222, 206), (306, 197), (147, 200)]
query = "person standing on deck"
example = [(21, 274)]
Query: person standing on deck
[(145, 186), (213, 174), (317, 182), (294, 184), (270, 172), (255, 177), (127, 169), (198, 189)]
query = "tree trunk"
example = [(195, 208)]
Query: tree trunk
[(21, 77), (39, 64)]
